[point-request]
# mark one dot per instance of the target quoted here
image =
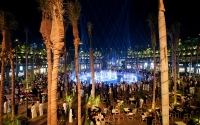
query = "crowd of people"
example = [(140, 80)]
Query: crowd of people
[(110, 93)]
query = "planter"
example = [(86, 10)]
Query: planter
[(21, 121)]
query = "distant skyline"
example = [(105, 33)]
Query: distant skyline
[(116, 23)]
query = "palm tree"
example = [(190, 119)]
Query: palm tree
[(57, 37), (197, 56), (152, 22), (191, 55), (11, 56), (7, 23), (163, 63), (74, 9), (45, 30), (174, 36), (66, 25), (89, 25)]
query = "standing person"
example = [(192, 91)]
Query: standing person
[(62, 114), (70, 116), (141, 102), (41, 109), (73, 90), (5, 107), (98, 122), (103, 122), (73, 113), (61, 90), (65, 107), (40, 97), (4, 98), (37, 107), (145, 99), (16, 109), (9, 110), (58, 112), (33, 110)]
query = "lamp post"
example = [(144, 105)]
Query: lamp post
[(197, 55), (191, 51), (137, 59), (16, 58), (34, 46), (26, 31)]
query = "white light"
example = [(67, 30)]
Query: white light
[(20, 68), (106, 76)]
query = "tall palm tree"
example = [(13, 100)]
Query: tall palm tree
[(11, 56), (174, 36), (7, 23), (89, 25), (74, 9), (197, 56), (163, 63), (152, 22), (191, 55), (66, 25), (57, 37), (45, 30)]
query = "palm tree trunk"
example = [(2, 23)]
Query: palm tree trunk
[(163, 64), (49, 68), (178, 75), (174, 74), (92, 72), (190, 64), (13, 87), (197, 56), (154, 79), (76, 44), (191, 51), (172, 58), (54, 88), (16, 52), (2, 88), (75, 30), (65, 73)]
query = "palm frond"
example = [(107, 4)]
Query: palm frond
[(73, 11), (57, 32), (7, 21), (152, 21), (89, 26), (44, 6)]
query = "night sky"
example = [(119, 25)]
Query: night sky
[(116, 23)]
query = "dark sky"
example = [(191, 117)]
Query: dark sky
[(116, 23)]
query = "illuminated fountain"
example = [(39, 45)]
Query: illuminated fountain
[(108, 76), (129, 77)]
